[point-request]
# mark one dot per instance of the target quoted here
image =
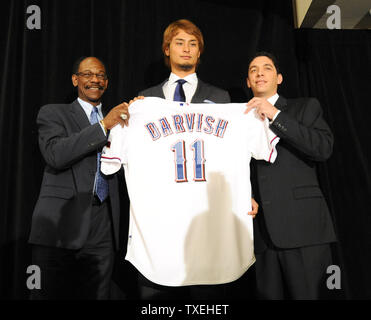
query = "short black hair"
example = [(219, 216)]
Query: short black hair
[(268, 55), (76, 65)]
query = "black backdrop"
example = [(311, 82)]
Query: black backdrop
[(35, 69)]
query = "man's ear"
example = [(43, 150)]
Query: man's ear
[(279, 78), (74, 80), (248, 82), (167, 51)]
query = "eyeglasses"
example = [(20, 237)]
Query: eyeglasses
[(89, 75)]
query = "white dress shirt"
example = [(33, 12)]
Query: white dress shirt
[(189, 87)]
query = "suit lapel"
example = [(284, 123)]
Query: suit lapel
[(104, 111), (157, 90), (78, 115), (281, 103), (200, 93)]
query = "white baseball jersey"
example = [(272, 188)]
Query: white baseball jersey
[(188, 178)]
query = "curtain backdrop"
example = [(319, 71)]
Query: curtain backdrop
[(35, 69)]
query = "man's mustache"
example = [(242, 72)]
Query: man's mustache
[(95, 86)]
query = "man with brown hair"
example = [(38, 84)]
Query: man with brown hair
[(182, 46), (293, 230)]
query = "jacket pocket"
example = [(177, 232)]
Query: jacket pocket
[(307, 192), (56, 192)]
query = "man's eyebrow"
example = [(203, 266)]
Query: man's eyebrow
[(88, 70), (181, 39), (264, 65)]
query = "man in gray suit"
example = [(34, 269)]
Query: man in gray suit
[(182, 46), (76, 218)]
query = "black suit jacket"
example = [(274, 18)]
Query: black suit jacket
[(203, 92), (69, 146), (293, 211)]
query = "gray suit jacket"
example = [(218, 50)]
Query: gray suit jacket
[(203, 92), (69, 145), (294, 211)]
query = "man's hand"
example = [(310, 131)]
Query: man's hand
[(262, 107), (135, 99), (117, 115), (255, 208)]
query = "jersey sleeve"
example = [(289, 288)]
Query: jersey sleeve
[(113, 154), (263, 140)]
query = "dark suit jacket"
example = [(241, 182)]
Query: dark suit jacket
[(203, 92), (294, 212), (69, 145)]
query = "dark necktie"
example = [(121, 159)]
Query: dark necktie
[(179, 92), (101, 184)]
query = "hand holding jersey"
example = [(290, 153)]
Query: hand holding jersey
[(262, 107), (115, 116), (135, 99), (187, 173)]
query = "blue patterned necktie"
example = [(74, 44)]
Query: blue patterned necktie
[(179, 92), (101, 184)]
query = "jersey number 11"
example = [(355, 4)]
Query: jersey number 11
[(180, 161)]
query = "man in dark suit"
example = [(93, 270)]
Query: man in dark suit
[(75, 221), (182, 46), (293, 231)]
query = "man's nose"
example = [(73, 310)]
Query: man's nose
[(94, 78)]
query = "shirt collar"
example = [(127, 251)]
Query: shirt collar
[(191, 78), (88, 108), (273, 99)]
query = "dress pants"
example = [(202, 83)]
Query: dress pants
[(78, 274), (298, 274)]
